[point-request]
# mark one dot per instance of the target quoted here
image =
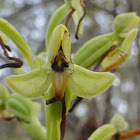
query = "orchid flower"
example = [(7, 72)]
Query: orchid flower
[(59, 72)]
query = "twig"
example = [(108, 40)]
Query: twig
[(17, 64), (69, 16), (130, 134)]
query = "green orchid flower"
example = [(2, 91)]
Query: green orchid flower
[(59, 72)]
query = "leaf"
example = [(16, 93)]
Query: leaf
[(85, 83), (14, 35), (56, 19), (32, 84)]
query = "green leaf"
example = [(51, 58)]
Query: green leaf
[(124, 23), (85, 83), (93, 50), (32, 84), (122, 52), (56, 19), (14, 35), (103, 133)]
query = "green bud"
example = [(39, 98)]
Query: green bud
[(121, 53), (125, 22), (22, 108), (104, 132), (93, 50), (119, 122), (35, 130)]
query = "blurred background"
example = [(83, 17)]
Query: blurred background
[(30, 18)]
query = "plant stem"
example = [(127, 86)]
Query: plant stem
[(63, 122)]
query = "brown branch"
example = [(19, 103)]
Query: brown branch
[(69, 17), (83, 6), (130, 134), (17, 64)]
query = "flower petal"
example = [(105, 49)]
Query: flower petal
[(56, 19), (57, 37), (85, 83), (78, 13), (32, 84)]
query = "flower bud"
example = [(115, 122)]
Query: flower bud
[(125, 22), (104, 132), (93, 50), (21, 108), (121, 53), (119, 122), (35, 130)]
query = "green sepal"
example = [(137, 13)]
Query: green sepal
[(56, 19), (32, 85), (21, 44), (22, 108), (104, 132), (35, 130), (124, 23), (19, 71), (122, 52), (77, 15), (93, 50), (85, 83)]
